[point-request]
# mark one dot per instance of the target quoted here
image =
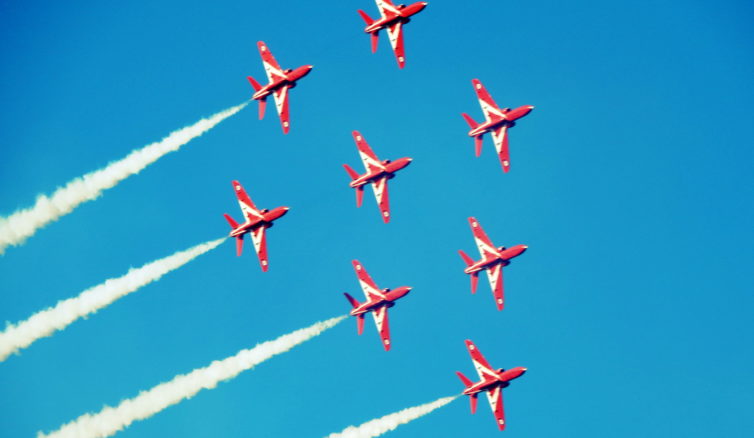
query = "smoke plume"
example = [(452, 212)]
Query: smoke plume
[(111, 420), (46, 322), (17, 227)]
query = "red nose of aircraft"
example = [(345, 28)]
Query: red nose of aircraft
[(398, 293), (276, 213), (302, 71), (413, 9), (512, 373)]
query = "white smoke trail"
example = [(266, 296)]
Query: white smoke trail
[(17, 227), (46, 322), (392, 421), (111, 420)]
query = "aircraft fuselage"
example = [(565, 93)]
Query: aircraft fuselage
[(507, 116), (404, 14), (502, 380), (390, 297), (504, 257), (390, 167), (291, 76), (267, 219)]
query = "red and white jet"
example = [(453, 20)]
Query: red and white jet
[(493, 381), (257, 221), (378, 172), (493, 260), (378, 301), (393, 18), (497, 121), (280, 82)]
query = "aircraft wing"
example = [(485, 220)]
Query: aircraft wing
[(371, 291), (483, 243), (260, 246), (247, 207), (387, 8), (371, 162), (380, 193), (495, 275), (483, 368), (495, 397), (395, 34), (383, 327), (500, 137), (489, 107), (281, 103), (271, 67)]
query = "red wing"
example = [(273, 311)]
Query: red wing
[(371, 162), (271, 67), (380, 193), (260, 246), (500, 137), (483, 368), (495, 397), (383, 327), (483, 243), (281, 103), (395, 34), (489, 107), (371, 291), (387, 8), (495, 275), (250, 211)]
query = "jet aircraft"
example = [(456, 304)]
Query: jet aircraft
[(256, 222), (497, 121), (492, 381), (378, 172), (378, 301), (280, 82), (393, 18), (493, 260)]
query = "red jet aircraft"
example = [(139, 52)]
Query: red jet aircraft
[(497, 121), (393, 18), (257, 221), (280, 82), (493, 381), (493, 260), (378, 172), (378, 301)]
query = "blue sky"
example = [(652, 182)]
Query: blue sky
[(630, 182)]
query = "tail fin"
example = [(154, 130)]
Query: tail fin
[(366, 17), (254, 83), (359, 195), (263, 101), (239, 245), (359, 318), (375, 37), (352, 173), (231, 221), (468, 383), (470, 121), (474, 276)]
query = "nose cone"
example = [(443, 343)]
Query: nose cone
[(276, 213)]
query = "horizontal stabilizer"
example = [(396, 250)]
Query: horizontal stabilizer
[(375, 37), (352, 173), (470, 121), (352, 300), (359, 195), (262, 105), (231, 221), (367, 19), (466, 381), (254, 83)]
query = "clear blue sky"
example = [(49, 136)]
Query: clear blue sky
[(631, 183)]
